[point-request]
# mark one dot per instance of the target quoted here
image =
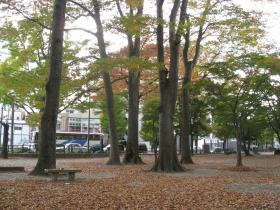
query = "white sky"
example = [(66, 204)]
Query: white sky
[(270, 8), (271, 19)]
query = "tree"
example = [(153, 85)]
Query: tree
[(4, 152), (133, 39), (114, 157), (269, 89), (232, 30), (24, 72), (168, 80), (235, 95), (47, 153)]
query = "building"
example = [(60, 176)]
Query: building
[(22, 131), (75, 121), (70, 121)]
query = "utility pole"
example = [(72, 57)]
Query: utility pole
[(12, 127)]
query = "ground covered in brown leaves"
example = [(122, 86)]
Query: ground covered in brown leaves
[(208, 184)]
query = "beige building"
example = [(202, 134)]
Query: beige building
[(74, 121)]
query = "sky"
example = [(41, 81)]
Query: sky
[(271, 19), (270, 8)]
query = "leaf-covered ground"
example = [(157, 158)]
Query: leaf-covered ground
[(208, 184)]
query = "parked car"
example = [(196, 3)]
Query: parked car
[(142, 148), (60, 148), (107, 148), (217, 150), (277, 152), (95, 148), (75, 148), (29, 147)]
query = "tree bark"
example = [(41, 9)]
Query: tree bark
[(238, 144), (167, 160), (246, 151), (186, 117), (12, 127), (4, 152), (1, 120), (132, 153), (189, 67), (114, 157), (47, 136)]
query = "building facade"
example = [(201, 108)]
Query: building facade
[(74, 121)]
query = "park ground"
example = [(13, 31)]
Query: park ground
[(211, 183)]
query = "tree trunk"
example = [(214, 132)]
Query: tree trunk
[(114, 157), (132, 153), (249, 145), (1, 119), (167, 160), (246, 151), (186, 117), (12, 127), (238, 146), (5, 140), (47, 151), (168, 80)]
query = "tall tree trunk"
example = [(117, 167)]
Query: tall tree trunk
[(186, 116), (249, 145), (114, 157), (4, 152), (246, 151), (167, 160), (12, 127), (238, 144), (189, 64), (132, 153), (47, 136), (1, 120)]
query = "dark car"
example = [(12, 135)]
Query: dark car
[(142, 148), (95, 148), (277, 152)]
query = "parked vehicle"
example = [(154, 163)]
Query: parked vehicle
[(29, 147), (96, 148), (107, 148), (60, 148), (217, 150), (75, 148), (277, 152), (142, 148)]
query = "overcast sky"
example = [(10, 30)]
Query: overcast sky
[(271, 19), (270, 8)]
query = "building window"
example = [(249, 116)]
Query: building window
[(16, 128), (74, 126)]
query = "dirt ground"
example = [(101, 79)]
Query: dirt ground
[(210, 183)]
